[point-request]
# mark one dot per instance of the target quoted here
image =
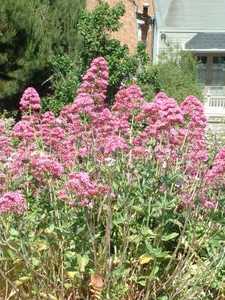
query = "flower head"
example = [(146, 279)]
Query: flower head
[(30, 100), (12, 202)]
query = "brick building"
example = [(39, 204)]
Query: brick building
[(136, 23)]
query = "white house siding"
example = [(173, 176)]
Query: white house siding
[(192, 14), (181, 20)]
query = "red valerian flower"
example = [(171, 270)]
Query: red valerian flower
[(30, 100), (12, 202)]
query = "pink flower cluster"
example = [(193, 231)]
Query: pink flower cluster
[(95, 81), (30, 100), (43, 165), (164, 119), (24, 130), (16, 163), (114, 143), (80, 189), (215, 175), (195, 137), (5, 145), (109, 131), (44, 147), (128, 100), (2, 127), (12, 202), (161, 116), (95, 127)]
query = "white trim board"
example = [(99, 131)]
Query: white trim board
[(164, 30), (205, 50)]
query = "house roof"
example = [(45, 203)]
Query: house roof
[(207, 41), (192, 14)]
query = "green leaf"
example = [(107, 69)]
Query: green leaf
[(155, 270), (68, 286), (138, 209), (35, 262), (145, 259), (22, 280), (70, 254), (41, 245), (82, 262), (148, 232), (48, 296), (170, 236), (14, 232), (142, 283), (71, 275), (134, 238), (157, 252)]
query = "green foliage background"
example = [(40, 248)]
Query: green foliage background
[(175, 74), (31, 32), (94, 28)]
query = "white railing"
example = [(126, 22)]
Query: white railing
[(215, 101), (215, 105)]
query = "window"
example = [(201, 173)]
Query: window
[(202, 69), (211, 69), (202, 59), (219, 60), (140, 24), (218, 70)]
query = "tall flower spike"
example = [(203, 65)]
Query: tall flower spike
[(30, 100), (196, 123), (95, 81)]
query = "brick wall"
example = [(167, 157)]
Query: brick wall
[(128, 33)]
